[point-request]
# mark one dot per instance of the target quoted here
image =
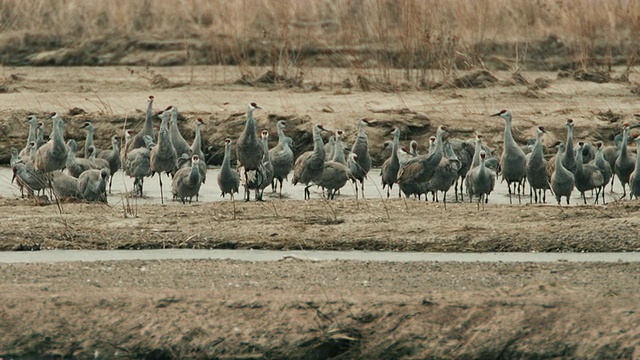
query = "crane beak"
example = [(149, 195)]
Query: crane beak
[(496, 114)]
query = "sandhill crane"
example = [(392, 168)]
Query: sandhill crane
[(310, 165), (27, 177), (65, 186), (391, 166), (40, 135), (33, 125), (266, 163), (88, 126), (259, 179), (445, 174), (611, 154), (196, 146), (187, 181), (588, 151), (92, 185), (562, 180), (513, 159), (98, 163), (228, 179), (249, 149), (361, 148), (404, 155), (480, 181), (634, 179), (604, 166), (281, 157), (138, 165), (569, 157), (335, 176), (625, 163), (113, 157), (330, 148), (163, 156), (421, 168), (464, 152), (177, 140), (536, 170), (76, 166), (15, 157), (138, 140), (53, 155), (338, 149), (588, 176), (413, 147)]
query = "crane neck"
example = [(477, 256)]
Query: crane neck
[(265, 147), (32, 132), (318, 144), (197, 142), (476, 154), (195, 172), (56, 134), (250, 126), (338, 152), (625, 139), (559, 157), (281, 135), (537, 147), (226, 161), (569, 137), (89, 140), (148, 121), (508, 134)]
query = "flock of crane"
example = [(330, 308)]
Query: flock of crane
[(461, 165)]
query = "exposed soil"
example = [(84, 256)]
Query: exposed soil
[(318, 310)]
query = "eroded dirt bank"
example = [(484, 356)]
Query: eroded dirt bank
[(319, 310), (338, 225)]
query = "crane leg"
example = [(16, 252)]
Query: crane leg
[(161, 195), (444, 199), (280, 188), (509, 187)]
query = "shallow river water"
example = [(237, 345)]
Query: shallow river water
[(209, 191)]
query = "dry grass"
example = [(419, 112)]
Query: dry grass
[(371, 36)]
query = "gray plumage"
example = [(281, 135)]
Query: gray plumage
[(281, 157), (138, 139), (536, 170), (196, 146), (177, 140), (562, 180), (421, 168), (92, 185), (249, 149), (40, 135), (611, 154), (163, 156), (338, 149), (187, 181), (464, 151), (27, 177), (625, 163), (98, 163), (88, 126), (513, 159), (138, 165), (588, 152), (605, 168), (76, 166), (228, 179), (391, 166), (480, 181), (335, 176), (65, 186), (634, 179), (309, 166), (112, 157), (446, 174), (329, 148), (361, 148), (259, 179), (33, 126), (53, 155), (588, 176)]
